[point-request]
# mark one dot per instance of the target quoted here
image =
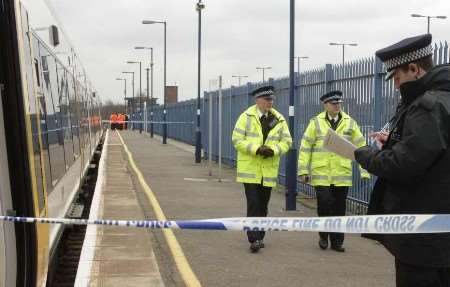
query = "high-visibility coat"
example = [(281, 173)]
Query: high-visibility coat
[(113, 119), (325, 167), (248, 137), (120, 119)]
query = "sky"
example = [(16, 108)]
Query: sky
[(237, 36)]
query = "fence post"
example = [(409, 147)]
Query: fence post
[(250, 101), (328, 77), (377, 93)]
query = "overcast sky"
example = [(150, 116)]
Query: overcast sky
[(237, 36)]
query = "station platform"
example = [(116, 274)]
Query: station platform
[(142, 178), (116, 256)]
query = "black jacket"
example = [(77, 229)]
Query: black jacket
[(413, 168)]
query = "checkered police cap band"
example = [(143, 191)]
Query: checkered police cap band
[(333, 98), (263, 93), (408, 57)]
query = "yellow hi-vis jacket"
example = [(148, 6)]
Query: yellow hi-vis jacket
[(324, 167), (248, 137)]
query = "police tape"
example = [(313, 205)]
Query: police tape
[(383, 224), (149, 122)]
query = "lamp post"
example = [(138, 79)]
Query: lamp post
[(428, 19), (239, 77), (125, 91), (263, 69), (140, 91), (291, 157), (343, 49), (198, 133), (165, 73), (151, 86), (132, 86)]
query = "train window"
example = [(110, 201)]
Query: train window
[(74, 118), (36, 68), (54, 136), (63, 99)]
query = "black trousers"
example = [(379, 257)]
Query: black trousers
[(331, 201), (419, 276), (258, 197)]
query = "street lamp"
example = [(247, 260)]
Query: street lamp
[(151, 84), (132, 86), (428, 19), (145, 22), (343, 49), (239, 78), (140, 91), (125, 91), (198, 133), (263, 69)]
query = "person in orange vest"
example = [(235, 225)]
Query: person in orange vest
[(120, 121), (113, 121)]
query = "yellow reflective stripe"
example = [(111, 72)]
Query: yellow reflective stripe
[(249, 147), (349, 130), (343, 178), (246, 175), (252, 135), (320, 138), (239, 131), (237, 141), (273, 138), (319, 177), (248, 125), (317, 124), (270, 179), (278, 148), (285, 135), (308, 139), (319, 149), (306, 149)]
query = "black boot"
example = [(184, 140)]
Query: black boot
[(323, 243), (255, 246)]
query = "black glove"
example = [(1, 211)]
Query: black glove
[(265, 151)]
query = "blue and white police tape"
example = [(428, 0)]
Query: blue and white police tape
[(386, 224), (149, 122)]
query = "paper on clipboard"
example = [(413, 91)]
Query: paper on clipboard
[(339, 145)]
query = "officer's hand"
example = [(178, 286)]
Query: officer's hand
[(269, 152), (265, 151)]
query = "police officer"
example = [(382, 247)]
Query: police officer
[(260, 136), (413, 166), (330, 174)]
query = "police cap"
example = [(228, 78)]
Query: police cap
[(332, 97), (406, 51), (265, 92)]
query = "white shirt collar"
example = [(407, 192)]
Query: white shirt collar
[(260, 114), (336, 118)]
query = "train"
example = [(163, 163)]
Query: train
[(50, 125)]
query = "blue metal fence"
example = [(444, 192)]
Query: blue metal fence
[(369, 99)]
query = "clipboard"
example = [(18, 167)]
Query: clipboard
[(339, 145)]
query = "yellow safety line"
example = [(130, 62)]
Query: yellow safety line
[(189, 277)]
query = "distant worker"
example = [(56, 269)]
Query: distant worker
[(330, 174), (113, 120), (261, 135), (120, 121), (413, 165)]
